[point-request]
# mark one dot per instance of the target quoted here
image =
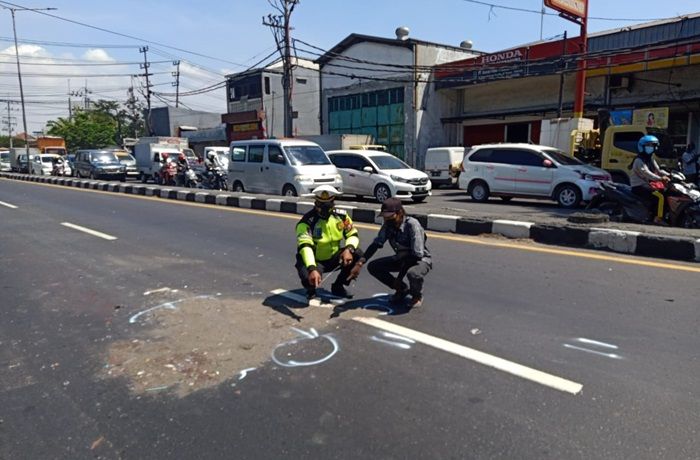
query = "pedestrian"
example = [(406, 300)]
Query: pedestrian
[(320, 249), (690, 160), (411, 259)]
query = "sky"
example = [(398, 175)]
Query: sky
[(214, 38)]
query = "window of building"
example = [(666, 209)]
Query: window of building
[(301, 81), (267, 85)]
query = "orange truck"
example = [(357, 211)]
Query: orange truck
[(51, 144)]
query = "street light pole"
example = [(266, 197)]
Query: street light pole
[(19, 76)]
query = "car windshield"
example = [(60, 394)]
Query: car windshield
[(388, 162), (562, 158), (48, 159), (301, 155), (104, 157)]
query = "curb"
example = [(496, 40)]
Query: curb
[(606, 239)]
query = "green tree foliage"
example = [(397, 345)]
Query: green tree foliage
[(87, 129), (5, 142), (107, 123)]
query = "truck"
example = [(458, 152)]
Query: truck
[(149, 151), (614, 148), (340, 141), (18, 158), (51, 144)]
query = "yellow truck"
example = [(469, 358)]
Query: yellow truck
[(51, 144), (616, 149)]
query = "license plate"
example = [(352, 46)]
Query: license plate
[(420, 189), (435, 173)]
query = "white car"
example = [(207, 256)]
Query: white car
[(42, 165), (379, 174), (5, 160), (527, 170)]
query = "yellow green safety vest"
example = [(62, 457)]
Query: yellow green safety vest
[(320, 239)]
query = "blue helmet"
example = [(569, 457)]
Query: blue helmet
[(647, 140)]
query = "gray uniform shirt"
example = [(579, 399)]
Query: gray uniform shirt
[(408, 239)]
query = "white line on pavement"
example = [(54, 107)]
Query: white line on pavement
[(600, 353), (595, 342), (486, 359), (11, 206), (88, 231)]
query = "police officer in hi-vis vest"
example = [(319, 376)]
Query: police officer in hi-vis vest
[(320, 248)]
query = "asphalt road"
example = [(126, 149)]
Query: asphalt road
[(104, 344)]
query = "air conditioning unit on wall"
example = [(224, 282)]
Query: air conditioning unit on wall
[(619, 81)]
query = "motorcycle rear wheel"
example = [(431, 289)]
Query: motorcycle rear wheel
[(688, 221)]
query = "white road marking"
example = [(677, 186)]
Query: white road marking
[(607, 355), (315, 302), (403, 346), (486, 359), (595, 342), (11, 206), (163, 289), (90, 232)]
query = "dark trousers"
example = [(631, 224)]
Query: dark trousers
[(383, 268), (326, 266)]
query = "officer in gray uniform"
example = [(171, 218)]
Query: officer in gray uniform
[(412, 259)]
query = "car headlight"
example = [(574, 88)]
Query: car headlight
[(399, 179), (338, 178), (302, 178)]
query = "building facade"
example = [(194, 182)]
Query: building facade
[(507, 96), (255, 102), (381, 86)]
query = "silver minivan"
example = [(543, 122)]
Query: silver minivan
[(280, 166)]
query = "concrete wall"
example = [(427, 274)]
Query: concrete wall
[(165, 120)]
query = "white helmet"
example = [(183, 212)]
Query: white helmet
[(324, 193)]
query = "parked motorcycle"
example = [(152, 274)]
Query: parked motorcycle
[(682, 203)]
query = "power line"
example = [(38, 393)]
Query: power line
[(61, 64), (539, 12), (70, 45), (102, 29)]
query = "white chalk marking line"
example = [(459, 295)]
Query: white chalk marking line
[(595, 342), (403, 346), (163, 289), (89, 232), (11, 206), (600, 353), (486, 359)]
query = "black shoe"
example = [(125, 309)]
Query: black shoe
[(416, 302), (339, 290), (398, 297)]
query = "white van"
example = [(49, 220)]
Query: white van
[(442, 164), (280, 166)]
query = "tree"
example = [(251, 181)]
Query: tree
[(16, 142), (87, 129)]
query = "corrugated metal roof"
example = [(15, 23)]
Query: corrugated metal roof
[(676, 29)]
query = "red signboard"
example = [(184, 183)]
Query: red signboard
[(576, 8)]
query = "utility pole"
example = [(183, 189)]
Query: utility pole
[(70, 108), (146, 74), (86, 100), (19, 74), (176, 83), (9, 121), (281, 31)]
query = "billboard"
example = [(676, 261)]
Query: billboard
[(576, 8), (655, 117)]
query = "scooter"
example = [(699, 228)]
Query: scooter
[(216, 179), (682, 203), (188, 178), (167, 173), (59, 169)]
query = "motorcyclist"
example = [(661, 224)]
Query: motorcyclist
[(166, 169), (320, 235), (181, 166), (690, 159), (648, 179)]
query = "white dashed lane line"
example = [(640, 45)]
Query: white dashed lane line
[(89, 231), (8, 205)]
